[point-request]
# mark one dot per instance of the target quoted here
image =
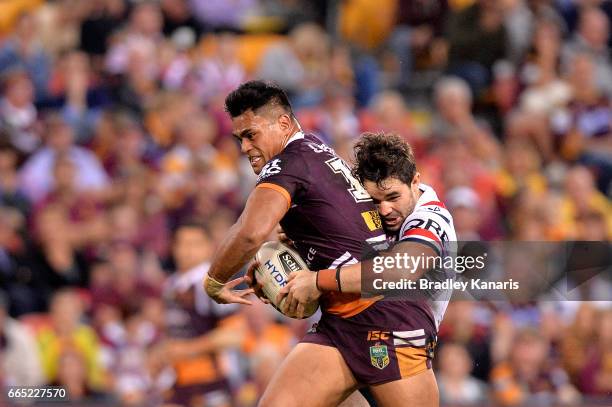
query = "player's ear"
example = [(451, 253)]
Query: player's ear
[(416, 180), (285, 122)]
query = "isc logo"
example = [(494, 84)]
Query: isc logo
[(378, 335), (276, 275)]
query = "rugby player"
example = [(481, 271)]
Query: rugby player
[(322, 208), (404, 331)]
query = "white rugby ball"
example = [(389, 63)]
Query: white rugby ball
[(276, 261)]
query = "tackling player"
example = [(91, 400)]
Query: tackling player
[(322, 208), (403, 332)]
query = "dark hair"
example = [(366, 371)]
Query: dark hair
[(255, 94), (192, 223), (379, 156)]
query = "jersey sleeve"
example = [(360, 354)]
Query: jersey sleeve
[(432, 226), (287, 174)]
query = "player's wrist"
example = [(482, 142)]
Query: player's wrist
[(213, 286), (329, 280)]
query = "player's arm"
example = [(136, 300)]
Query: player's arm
[(348, 279), (263, 211), (304, 286)]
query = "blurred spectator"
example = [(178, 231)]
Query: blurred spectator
[(582, 197), (266, 344), (24, 51), (36, 173), (10, 194), (522, 170), (527, 376), (456, 385), (197, 328), (132, 379), (219, 74), (591, 38), (20, 364), (65, 332), (545, 90), (299, 65), (463, 326), (454, 102), (584, 125), (416, 40), (72, 375), (58, 25), (138, 40), (388, 112), (102, 18), (126, 276), (177, 15), (477, 39), (596, 375), (18, 272), (335, 119), (80, 94), (357, 26), (18, 115), (464, 204), (219, 14), (580, 336), (195, 136)]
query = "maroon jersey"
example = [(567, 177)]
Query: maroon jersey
[(330, 215)]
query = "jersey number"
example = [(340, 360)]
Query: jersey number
[(358, 192)]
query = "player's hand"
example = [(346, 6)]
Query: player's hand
[(300, 290), (223, 293), (254, 284)]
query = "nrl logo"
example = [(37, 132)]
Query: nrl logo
[(379, 356)]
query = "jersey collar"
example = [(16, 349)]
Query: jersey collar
[(297, 136)]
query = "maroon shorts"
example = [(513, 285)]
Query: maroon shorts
[(388, 341)]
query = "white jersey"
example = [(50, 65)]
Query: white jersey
[(432, 224)]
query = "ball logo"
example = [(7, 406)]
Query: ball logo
[(289, 262), (278, 276)]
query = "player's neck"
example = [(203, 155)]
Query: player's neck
[(288, 138)]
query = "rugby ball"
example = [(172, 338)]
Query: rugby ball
[(276, 261)]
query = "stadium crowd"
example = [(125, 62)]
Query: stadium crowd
[(118, 176)]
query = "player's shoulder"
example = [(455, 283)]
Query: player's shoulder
[(288, 162), (306, 144), (430, 214)]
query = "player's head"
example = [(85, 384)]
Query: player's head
[(262, 120), (385, 165), (191, 245)]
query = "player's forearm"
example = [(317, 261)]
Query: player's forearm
[(264, 209), (349, 278), (346, 280), (234, 252)]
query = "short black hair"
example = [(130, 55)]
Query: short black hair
[(191, 223), (379, 156), (255, 94)]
